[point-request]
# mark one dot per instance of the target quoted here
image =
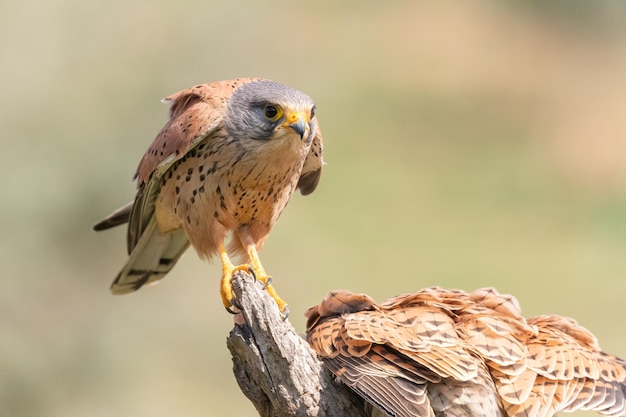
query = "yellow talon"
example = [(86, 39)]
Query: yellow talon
[(228, 269), (262, 276), (226, 283)]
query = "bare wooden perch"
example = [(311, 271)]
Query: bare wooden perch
[(275, 367)]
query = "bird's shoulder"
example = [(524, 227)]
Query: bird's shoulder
[(194, 113)]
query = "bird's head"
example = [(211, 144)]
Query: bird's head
[(266, 110)]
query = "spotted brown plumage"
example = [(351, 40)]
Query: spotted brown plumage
[(449, 353), (228, 160)]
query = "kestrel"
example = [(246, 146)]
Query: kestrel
[(449, 353), (228, 160)]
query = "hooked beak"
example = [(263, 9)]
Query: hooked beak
[(297, 122)]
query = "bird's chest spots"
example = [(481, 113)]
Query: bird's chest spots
[(226, 182), (264, 196)]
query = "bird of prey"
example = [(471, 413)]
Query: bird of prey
[(228, 160), (449, 353)]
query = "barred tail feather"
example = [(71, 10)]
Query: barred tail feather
[(151, 259), (118, 217)]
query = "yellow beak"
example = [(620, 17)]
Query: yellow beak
[(298, 122)]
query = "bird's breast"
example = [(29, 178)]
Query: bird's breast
[(260, 184), (224, 184)]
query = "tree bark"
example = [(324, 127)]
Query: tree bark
[(275, 367)]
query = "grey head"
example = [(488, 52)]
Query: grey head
[(257, 109)]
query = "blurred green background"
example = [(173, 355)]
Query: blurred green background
[(468, 144)]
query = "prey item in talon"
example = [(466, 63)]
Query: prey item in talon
[(227, 162)]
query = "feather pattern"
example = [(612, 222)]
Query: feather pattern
[(449, 353), (220, 165)]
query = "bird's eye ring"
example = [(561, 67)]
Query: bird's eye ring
[(272, 112)]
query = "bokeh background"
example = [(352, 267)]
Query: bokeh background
[(468, 144)]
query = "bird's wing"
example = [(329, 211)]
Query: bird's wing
[(377, 373), (544, 364), (572, 371), (195, 113), (312, 168), (382, 383), (532, 367), (389, 355)]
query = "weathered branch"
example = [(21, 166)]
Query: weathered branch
[(275, 367)]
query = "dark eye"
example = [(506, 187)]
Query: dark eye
[(272, 112), (312, 112)]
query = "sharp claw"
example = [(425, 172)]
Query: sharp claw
[(285, 313), (235, 303), (251, 271), (268, 281), (231, 311)]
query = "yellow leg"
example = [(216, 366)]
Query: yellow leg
[(226, 283), (228, 269), (262, 276)]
